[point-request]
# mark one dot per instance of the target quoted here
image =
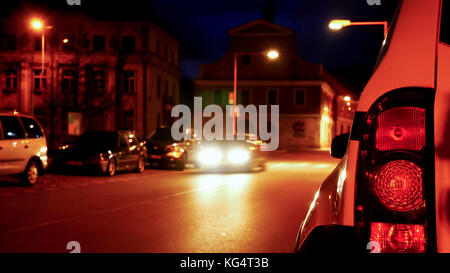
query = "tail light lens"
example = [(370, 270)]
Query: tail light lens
[(398, 185), (392, 183), (401, 128), (398, 238)]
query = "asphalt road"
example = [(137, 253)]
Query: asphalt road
[(164, 210)]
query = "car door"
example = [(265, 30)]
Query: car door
[(14, 147), (35, 138), (123, 151), (134, 150)]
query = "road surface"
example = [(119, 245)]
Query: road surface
[(164, 210)]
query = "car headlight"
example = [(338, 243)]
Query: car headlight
[(238, 156), (210, 156)]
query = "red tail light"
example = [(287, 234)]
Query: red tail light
[(401, 128), (398, 185), (398, 238), (393, 176)]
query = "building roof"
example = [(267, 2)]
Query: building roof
[(260, 27)]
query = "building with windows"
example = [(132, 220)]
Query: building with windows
[(313, 106), (98, 74)]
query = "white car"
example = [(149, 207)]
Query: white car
[(391, 191), (23, 147)]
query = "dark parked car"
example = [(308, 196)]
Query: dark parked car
[(105, 152), (163, 150)]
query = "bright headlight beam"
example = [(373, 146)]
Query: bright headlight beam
[(210, 156), (238, 156)]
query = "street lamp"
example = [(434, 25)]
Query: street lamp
[(271, 54), (38, 25), (339, 24)]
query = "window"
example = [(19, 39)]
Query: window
[(129, 44), (272, 97), (246, 60), (128, 120), (245, 96), (158, 87), (68, 80), (129, 81), (32, 129), (165, 52), (300, 95), (38, 43), (445, 22), (99, 43), (123, 141), (12, 129), (99, 80), (10, 43), (11, 79), (218, 97), (39, 80)]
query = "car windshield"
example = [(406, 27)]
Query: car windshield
[(162, 134), (97, 141)]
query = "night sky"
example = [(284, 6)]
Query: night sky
[(201, 27)]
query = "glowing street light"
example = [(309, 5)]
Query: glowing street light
[(338, 24), (347, 98), (36, 24), (271, 54)]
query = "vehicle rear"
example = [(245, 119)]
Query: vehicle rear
[(391, 191)]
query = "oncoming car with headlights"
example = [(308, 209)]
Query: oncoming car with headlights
[(230, 155)]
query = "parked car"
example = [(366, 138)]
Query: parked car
[(104, 151), (391, 191), (166, 152), (23, 147), (230, 155)]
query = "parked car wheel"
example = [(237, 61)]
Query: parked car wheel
[(31, 174), (111, 169), (140, 165), (181, 165)]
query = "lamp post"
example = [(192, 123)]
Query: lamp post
[(339, 24), (38, 25), (271, 54)]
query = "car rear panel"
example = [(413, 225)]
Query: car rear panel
[(442, 147)]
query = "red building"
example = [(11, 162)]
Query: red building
[(311, 103), (98, 74)]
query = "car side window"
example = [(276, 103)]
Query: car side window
[(123, 141), (32, 128), (12, 128), (133, 141)]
